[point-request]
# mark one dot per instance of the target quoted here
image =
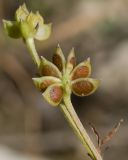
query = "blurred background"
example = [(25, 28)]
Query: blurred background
[(30, 129)]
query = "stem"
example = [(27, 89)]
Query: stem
[(32, 50), (76, 124)]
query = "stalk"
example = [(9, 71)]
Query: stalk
[(32, 50), (77, 126)]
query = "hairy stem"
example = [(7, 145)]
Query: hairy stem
[(32, 50), (76, 124)]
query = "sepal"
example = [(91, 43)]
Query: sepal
[(12, 29), (82, 70), (27, 30), (53, 94), (49, 69), (21, 13), (34, 19), (71, 61), (84, 86), (59, 59), (42, 83)]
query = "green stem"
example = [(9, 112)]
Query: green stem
[(76, 124), (32, 50)]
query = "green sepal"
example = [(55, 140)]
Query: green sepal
[(27, 30), (21, 13), (12, 28), (53, 94), (71, 61), (59, 59), (49, 69), (84, 86), (82, 70), (42, 83)]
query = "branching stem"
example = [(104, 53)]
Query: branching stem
[(68, 110)]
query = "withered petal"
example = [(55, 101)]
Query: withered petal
[(49, 69), (53, 94), (42, 83), (82, 70), (59, 59), (84, 86), (71, 61)]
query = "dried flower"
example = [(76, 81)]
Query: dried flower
[(27, 25), (61, 77)]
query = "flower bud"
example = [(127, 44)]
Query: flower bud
[(27, 25)]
